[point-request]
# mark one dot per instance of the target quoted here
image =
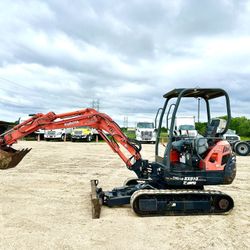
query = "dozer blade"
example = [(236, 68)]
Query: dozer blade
[(10, 157), (96, 201)]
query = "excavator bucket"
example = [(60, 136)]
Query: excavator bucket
[(96, 201), (10, 157)]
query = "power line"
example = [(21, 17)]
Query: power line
[(15, 83)]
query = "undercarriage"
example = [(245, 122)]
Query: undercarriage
[(147, 200)]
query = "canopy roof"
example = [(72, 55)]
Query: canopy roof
[(207, 94)]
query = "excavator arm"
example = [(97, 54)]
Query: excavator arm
[(10, 157)]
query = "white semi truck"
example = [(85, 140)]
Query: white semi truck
[(145, 132), (185, 125), (57, 134)]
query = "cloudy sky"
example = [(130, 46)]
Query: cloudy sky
[(61, 55)]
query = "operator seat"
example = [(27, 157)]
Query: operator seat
[(212, 128), (200, 144)]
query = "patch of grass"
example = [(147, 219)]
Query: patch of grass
[(130, 134), (27, 138), (245, 138)]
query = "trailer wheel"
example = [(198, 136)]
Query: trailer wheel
[(242, 148)]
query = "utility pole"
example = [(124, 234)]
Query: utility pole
[(125, 122), (199, 99), (96, 104)]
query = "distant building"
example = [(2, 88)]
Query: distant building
[(5, 126)]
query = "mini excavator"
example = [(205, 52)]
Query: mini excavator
[(174, 183)]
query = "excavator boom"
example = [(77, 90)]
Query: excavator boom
[(10, 157)]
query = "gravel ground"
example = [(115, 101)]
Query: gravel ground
[(45, 204)]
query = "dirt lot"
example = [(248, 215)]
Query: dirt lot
[(45, 204)]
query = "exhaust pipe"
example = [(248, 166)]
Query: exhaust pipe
[(10, 157)]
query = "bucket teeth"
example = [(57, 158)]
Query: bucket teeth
[(10, 157)]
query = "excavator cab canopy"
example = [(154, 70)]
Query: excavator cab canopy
[(207, 94)]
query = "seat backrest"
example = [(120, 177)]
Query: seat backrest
[(212, 128), (201, 145)]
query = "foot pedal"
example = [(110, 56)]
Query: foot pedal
[(96, 201)]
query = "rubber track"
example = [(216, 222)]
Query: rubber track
[(174, 191)]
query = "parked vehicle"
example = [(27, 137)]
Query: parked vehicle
[(242, 148), (145, 132), (231, 136), (57, 134), (82, 133), (185, 125)]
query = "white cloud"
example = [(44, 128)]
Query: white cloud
[(127, 54)]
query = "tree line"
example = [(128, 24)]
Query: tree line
[(240, 124)]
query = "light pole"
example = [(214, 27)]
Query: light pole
[(199, 99)]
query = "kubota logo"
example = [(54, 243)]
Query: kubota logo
[(70, 123)]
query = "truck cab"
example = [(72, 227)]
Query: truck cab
[(185, 125), (231, 136), (57, 134), (145, 132), (82, 133)]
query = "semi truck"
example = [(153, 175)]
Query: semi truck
[(145, 132), (231, 136), (57, 134), (241, 148), (185, 125)]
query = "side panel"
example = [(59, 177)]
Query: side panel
[(217, 157)]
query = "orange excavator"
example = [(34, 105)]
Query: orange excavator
[(9, 157), (174, 183)]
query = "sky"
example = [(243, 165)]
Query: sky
[(61, 55)]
